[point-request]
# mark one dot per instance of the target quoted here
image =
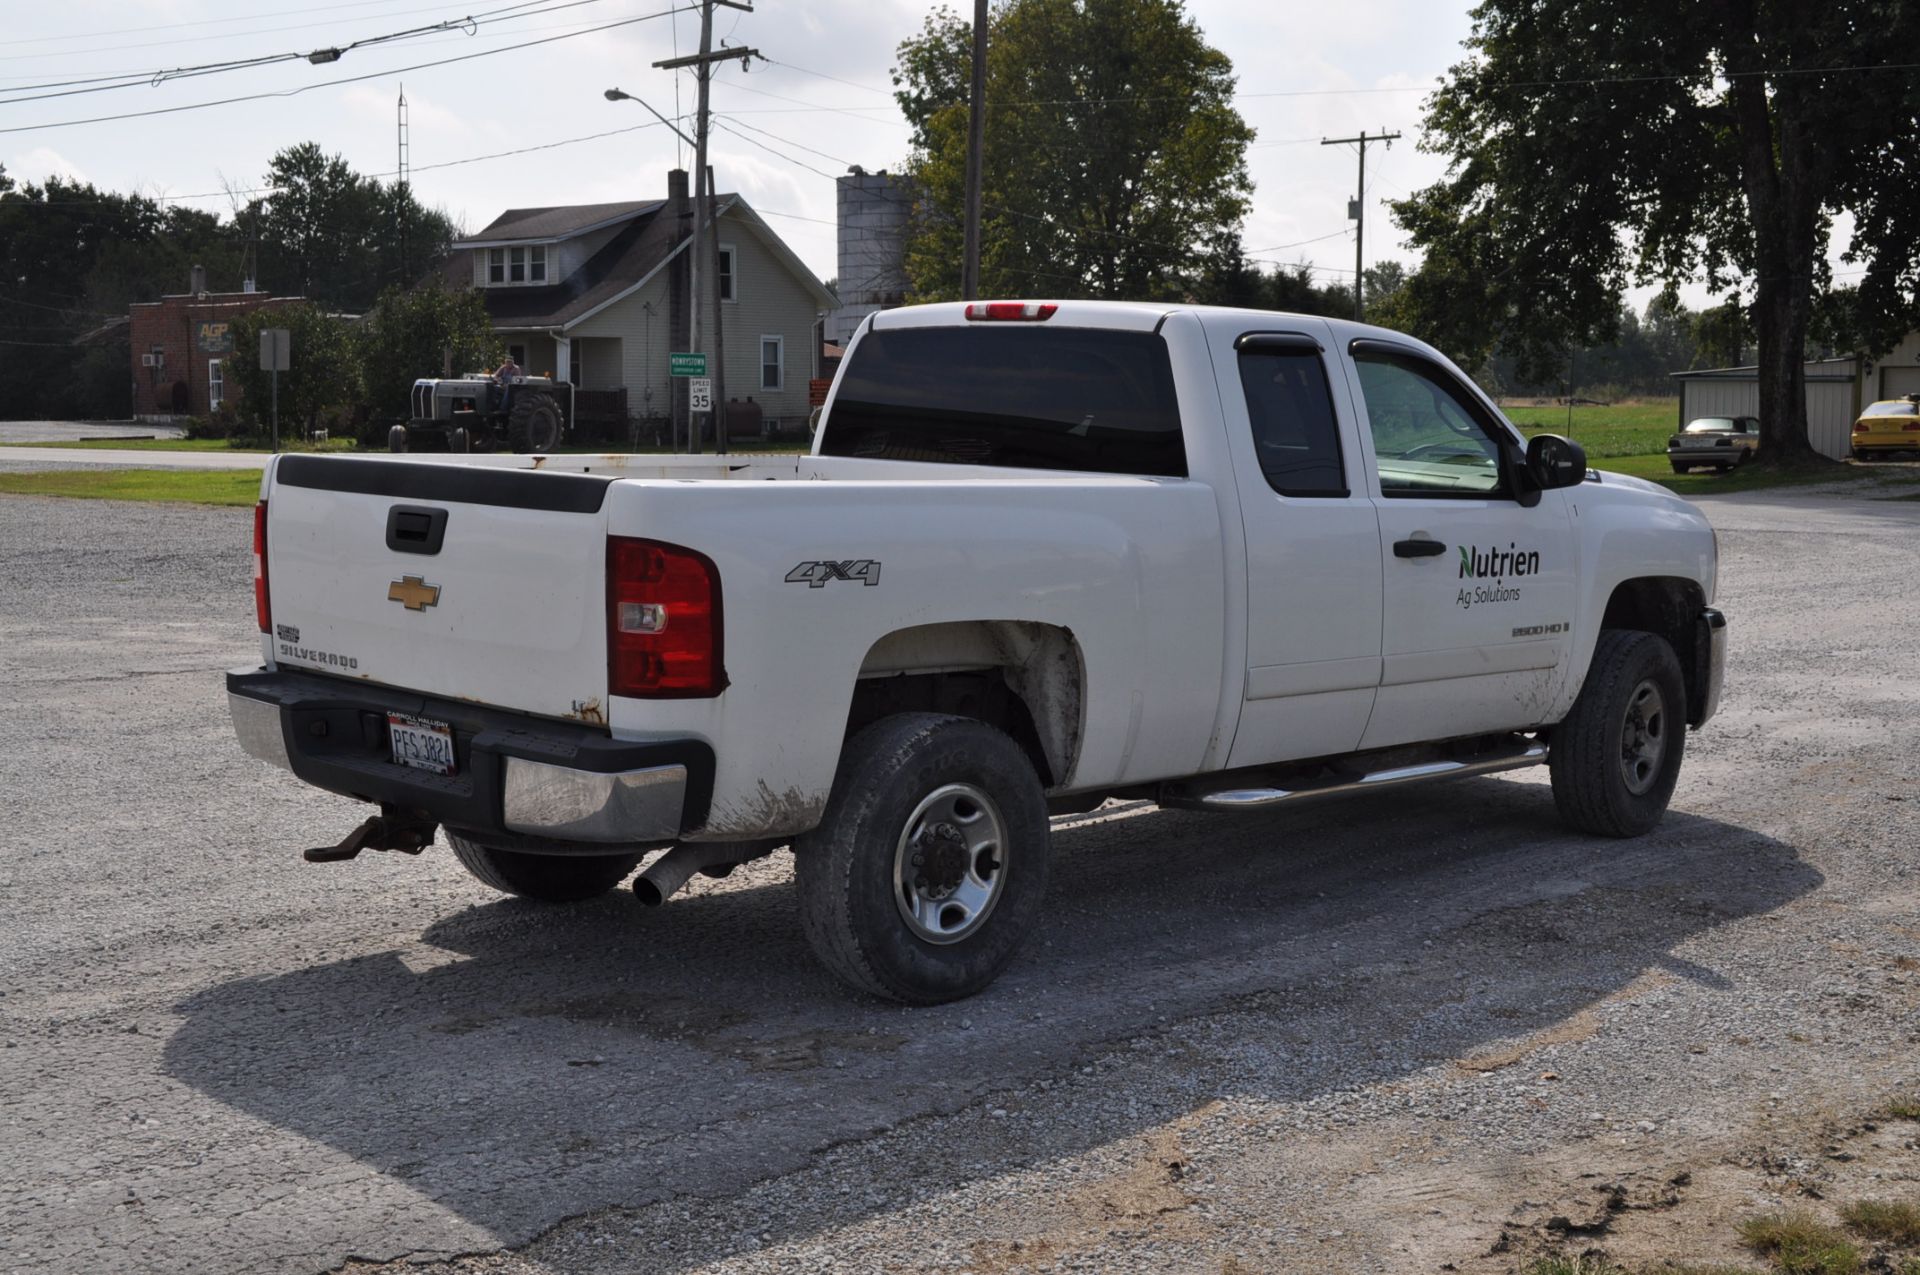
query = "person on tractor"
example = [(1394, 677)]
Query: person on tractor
[(503, 376)]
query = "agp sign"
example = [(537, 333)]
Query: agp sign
[(213, 336)]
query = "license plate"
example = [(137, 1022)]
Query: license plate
[(421, 743)]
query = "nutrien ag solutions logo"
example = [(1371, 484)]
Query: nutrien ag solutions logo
[(1495, 564)]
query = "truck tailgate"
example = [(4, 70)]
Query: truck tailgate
[(473, 583)]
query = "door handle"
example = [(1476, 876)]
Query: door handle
[(1418, 548)]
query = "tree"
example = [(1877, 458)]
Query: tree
[(322, 377), (1598, 143), (335, 237), (1114, 163), (411, 334)]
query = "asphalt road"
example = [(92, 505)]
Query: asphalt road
[(1366, 1036)]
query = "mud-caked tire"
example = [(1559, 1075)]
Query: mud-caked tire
[(534, 424), (930, 865), (1616, 757), (548, 878)]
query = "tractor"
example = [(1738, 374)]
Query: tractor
[(476, 414)]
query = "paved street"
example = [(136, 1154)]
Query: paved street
[(1379, 1036)]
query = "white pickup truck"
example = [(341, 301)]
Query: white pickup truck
[(1040, 556)]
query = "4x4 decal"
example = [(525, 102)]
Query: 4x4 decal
[(816, 574)]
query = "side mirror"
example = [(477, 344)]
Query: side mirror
[(1554, 462)]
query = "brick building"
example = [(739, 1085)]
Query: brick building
[(178, 345)]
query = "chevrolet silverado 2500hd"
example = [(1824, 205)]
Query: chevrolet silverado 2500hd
[(1041, 555)]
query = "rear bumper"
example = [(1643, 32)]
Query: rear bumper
[(1706, 455), (1710, 650), (520, 781)]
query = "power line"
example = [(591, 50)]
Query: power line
[(153, 79), (203, 22), (350, 79), (865, 88)]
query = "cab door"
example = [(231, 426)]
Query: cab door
[(1312, 538), (1478, 573)]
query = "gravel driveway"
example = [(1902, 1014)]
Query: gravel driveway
[(1385, 1036)]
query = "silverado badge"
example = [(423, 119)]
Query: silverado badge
[(413, 593)]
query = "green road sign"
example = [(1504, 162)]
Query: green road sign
[(687, 364)]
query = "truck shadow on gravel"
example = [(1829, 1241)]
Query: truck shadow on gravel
[(525, 1064)]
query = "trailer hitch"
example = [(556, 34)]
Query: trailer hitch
[(392, 829)]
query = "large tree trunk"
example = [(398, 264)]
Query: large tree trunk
[(1782, 170)]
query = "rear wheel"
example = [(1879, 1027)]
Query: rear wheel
[(1616, 757), (550, 878), (534, 424), (1678, 468), (930, 864)]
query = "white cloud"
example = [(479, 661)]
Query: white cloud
[(41, 163)]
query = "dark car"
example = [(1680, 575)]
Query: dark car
[(1723, 442)]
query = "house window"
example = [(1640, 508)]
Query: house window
[(496, 265), (726, 273), (216, 385), (537, 263), (518, 353), (516, 265), (773, 351)]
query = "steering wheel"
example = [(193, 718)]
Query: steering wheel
[(1450, 449)]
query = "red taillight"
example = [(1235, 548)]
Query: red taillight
[(1860, 427), (663, 621), (1912, 427), (1011, 311), (263, 610)]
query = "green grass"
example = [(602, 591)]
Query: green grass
[(239, 487), (1905, 1107), (1655, 468), (1800, 1244), (1621, 429), (1890, 1222), (187, 445)]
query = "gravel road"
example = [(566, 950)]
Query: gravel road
[(1382, 1036)]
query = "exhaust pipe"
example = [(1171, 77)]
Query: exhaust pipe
[(665, 875)]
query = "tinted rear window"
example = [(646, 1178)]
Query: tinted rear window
[(1017, 395), (1711, 425)]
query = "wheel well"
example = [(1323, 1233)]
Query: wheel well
[(1669, 606), (1024, 678)]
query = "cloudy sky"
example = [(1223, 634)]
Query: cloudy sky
[(1306, 71)]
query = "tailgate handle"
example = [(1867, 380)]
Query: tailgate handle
[(416, 529)]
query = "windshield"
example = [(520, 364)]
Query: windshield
[(1711, 425), (1893, 409)]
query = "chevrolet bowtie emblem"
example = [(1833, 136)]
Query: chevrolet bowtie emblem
[(413, 593)]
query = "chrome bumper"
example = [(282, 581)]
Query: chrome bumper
[(257, 724), (1714, 672), (551, 783), (629, 805)]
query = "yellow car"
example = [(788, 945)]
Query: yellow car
[(1890, 426)]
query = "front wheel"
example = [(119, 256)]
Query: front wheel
[(1616, 757), (549, 878), (929, 866)]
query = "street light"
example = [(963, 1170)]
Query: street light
[(620, 95)]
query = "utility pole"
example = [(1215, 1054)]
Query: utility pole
[(702, 63), (719, 342), (976, 143), (1357, 211)]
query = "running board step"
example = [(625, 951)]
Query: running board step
[(1247, 797)]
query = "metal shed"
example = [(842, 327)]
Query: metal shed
[(1735, 391)]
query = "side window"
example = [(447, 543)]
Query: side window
[(1290, 408), (1429, 438)]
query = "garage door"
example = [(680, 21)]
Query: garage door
[(1898, 382)]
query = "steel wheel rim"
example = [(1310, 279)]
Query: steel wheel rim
[(950, 863), (1643, 738)]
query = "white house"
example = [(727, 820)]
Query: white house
[(596, 294)]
